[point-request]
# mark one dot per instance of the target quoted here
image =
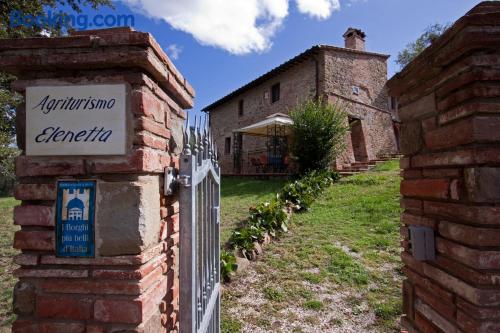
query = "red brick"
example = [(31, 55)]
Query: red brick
[(426, 188), (410, 219), (424, 325), (471, 257), (477, 129), (92, 287), (404, 163), (31, 326), (485, 297), (445, 309), (118, 311), (429, 285), (419, 109), (146, 103), (461, 212), (29, 166), (477, 89), (433, 317), (470, 235), (139, 160), (429, 124), (404, 232), (149, 125), (477, 311), (173, 208), (145, 139), (124, 274), (163, 231), (467, 109), (26, 259), (483, 184), (456, 189), (408, 299), (51, 273), (64, 307), (35, 192), (466, 273), (34, 215), (441, 173), (457, 158), (92, 328), (34, 240), (412, 205), (471, 325), (411, 174)]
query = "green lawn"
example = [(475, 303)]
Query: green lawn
[(337, 270), (7, 281), (237, 195)]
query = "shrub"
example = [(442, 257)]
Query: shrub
[(227, 264), (318, 134), (244, 237), (301, 193), (269, 216)]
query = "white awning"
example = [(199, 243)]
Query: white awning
[(261, 127)]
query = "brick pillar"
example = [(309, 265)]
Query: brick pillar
[(450, 138), (132, 283)]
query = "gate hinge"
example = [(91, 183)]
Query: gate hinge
[(173, 180)]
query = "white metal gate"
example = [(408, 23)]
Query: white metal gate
[(199, 263)]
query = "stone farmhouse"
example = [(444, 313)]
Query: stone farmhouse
[(250, 125)]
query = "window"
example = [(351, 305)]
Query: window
[(275, 92), (227, 146), (240, 108)]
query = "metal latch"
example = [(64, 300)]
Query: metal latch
[(171, 180)]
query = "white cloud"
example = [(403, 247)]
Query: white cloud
[(238, 26), (174, 51), (321, 9)]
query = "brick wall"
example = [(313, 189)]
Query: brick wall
[(449, 108), (132, 283)]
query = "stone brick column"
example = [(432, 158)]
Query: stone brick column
[(132, 283), (450, 136)]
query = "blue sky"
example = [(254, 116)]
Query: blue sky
[(216, 59)]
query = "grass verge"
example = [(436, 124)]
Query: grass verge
[(337, 270), (238, 194), (7, 281)]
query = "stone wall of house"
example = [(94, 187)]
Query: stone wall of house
[(335, 72), (132, 283), (296, 84), (368, 72), (450, 136)]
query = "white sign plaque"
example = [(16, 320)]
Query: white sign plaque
[(76, 120)]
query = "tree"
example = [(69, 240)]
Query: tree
[(318, 134), (413, 49), (9, 100)]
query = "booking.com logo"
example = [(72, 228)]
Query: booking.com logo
[(61, 20)]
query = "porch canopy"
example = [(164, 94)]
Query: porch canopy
[(272, 157), (267, 126)]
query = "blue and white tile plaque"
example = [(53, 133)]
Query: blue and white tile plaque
[(75, 218)]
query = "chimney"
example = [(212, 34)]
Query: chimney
[(354, 39)]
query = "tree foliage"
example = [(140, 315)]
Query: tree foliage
[(9, 100), (318, 132), (413, 49)]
